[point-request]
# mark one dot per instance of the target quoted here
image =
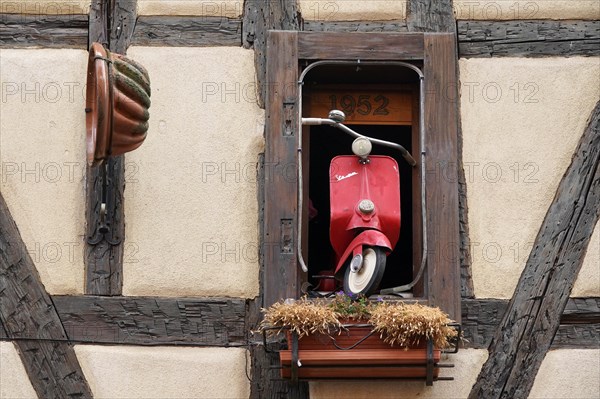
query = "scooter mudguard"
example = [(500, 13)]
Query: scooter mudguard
[(371, 238)]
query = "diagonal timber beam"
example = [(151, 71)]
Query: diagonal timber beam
[(26, 311), (533, 315)]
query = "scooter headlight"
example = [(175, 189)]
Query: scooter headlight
[(362, 147)]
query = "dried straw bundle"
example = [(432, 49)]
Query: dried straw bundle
[(409, 325), (303, 317)]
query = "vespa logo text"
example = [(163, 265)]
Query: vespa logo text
[(338, 177)]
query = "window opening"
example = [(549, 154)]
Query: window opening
[(392, 115)]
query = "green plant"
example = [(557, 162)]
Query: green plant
[(347, 307)]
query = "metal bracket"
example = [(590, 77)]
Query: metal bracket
[(456, 341), (295, 361), (429, 376), (103, 230)]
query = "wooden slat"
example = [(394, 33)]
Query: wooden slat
[(281, 273), (441, 136), (153, 321), (533, 315), (49, 31), (360, 372), (187, 31), (27, 311), (359, 357), (528, 38), (360, 45), (355, 26)]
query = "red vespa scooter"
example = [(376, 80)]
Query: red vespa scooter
[(365, 209)]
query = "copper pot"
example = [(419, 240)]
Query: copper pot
[(117, 102)]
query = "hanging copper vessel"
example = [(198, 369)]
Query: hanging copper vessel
[(117, 102)]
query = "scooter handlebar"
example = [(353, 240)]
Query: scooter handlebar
[(324, 121)]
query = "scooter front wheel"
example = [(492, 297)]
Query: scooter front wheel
[(366, 280)]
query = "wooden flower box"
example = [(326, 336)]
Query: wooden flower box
[(357, 352)]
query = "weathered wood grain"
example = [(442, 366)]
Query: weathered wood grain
[(441, 136), (579, 324), (123, 14), (533, 315), (98, 22), (438, 16), (220, 322), (259, 17), (26, 311), (49, 31), (577, 336), (187, 31), (355, 26), (528, 38), (360, 45), (581, 310), (153, 321), (430, 16)]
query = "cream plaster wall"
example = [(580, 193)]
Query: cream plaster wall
[(50, 7), (14, 382), (42, 158), (467, 363), (191, 191), (521, 119), (568, 373), (352, 10), (588, 280), (164, 372), (212, 8), (511, 9)]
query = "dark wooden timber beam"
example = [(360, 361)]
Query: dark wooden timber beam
[(187, 31), (430, 16), (153, 321), (533, 314), (528, 38), (224, 322), (112, 22), (27, 311), (259, 17), (48, 31), (579, 324), (355, 26)]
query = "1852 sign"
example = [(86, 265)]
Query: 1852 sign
[(376, 105)]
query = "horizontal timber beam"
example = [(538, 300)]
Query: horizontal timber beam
[(187, 31), (355, 26), (220, 322), (579, 324), (49, 31), (528, 38), (153, 320)]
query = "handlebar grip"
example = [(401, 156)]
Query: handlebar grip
[(411, 161)]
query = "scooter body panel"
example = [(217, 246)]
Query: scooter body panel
[(351, 182), (372, 238)]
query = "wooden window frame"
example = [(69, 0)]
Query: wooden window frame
[(282, 276)]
